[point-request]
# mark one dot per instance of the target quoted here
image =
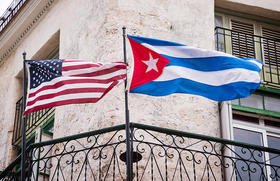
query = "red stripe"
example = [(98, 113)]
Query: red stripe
[(61, 103), (99, 63), (75, 67), (70, 101), (64, 82), (65, 92), (102, 72), (81, 61)]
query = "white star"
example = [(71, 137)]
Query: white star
[(151, 63)]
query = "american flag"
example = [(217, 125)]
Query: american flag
[(59, 82)]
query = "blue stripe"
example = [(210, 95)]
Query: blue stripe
[(212, 63), (154, 42), (217, 93)]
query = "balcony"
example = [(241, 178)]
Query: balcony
[(246, 45), (159, 154), (10, 13), (33, 121)]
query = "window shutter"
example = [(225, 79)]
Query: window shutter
[(242, 39), (271, 47)]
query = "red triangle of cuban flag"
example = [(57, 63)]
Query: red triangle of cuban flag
[(148, 64)]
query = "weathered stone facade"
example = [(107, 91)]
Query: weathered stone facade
[(93, 30)]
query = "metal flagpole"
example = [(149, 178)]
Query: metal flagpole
[(129, 166), (23, 131)]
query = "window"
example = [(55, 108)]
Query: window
[(271, 47), (271, 54), (251, 39), (253, 137), (255, 119), (44, 133), (259, 132), (258, 103), (39, 125), (219, 35), (36, 119), (242, 39)]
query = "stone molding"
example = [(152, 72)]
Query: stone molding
[(13, 30)]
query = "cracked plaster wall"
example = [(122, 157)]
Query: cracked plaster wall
[(99, 36), (93, 30)]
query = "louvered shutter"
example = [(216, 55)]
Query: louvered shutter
[(271, 47), (242, 39)]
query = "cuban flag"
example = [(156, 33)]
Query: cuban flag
[(163, 68)]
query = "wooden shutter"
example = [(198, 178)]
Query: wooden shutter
[(271, 47), (242, 39)]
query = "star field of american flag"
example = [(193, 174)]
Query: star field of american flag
[(44, 71)]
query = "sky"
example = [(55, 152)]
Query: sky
[(4, 4)]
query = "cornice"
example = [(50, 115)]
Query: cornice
[(22, 25)]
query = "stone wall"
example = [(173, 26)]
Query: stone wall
[(103, 42), (93, 30)]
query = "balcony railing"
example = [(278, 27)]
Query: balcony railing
[(33, 120), (159, 154), (10, 13), (252, 46)]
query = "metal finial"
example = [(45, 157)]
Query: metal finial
[(24, 55)]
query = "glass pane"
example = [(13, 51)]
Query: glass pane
[(254, 101), (247, 167), (274, 142), (247, 136), (51, 129), (272, 104), (219, 34), (218, 21)]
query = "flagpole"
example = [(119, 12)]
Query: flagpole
[(129, 166), (23, 128)]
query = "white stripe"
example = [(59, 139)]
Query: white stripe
[(256, 63), (70, 86), (100, 65), (73, 63), (66, 97), (185, 51), (214, 78), (63, 78), (54, 81), (92, 70)]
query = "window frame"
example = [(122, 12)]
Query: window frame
[(270, 71), (227, 109), (263, 130)]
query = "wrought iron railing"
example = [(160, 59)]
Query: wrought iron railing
[(159, 154), (10, 13), (33, 120), (12, 172), (245, 45)]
